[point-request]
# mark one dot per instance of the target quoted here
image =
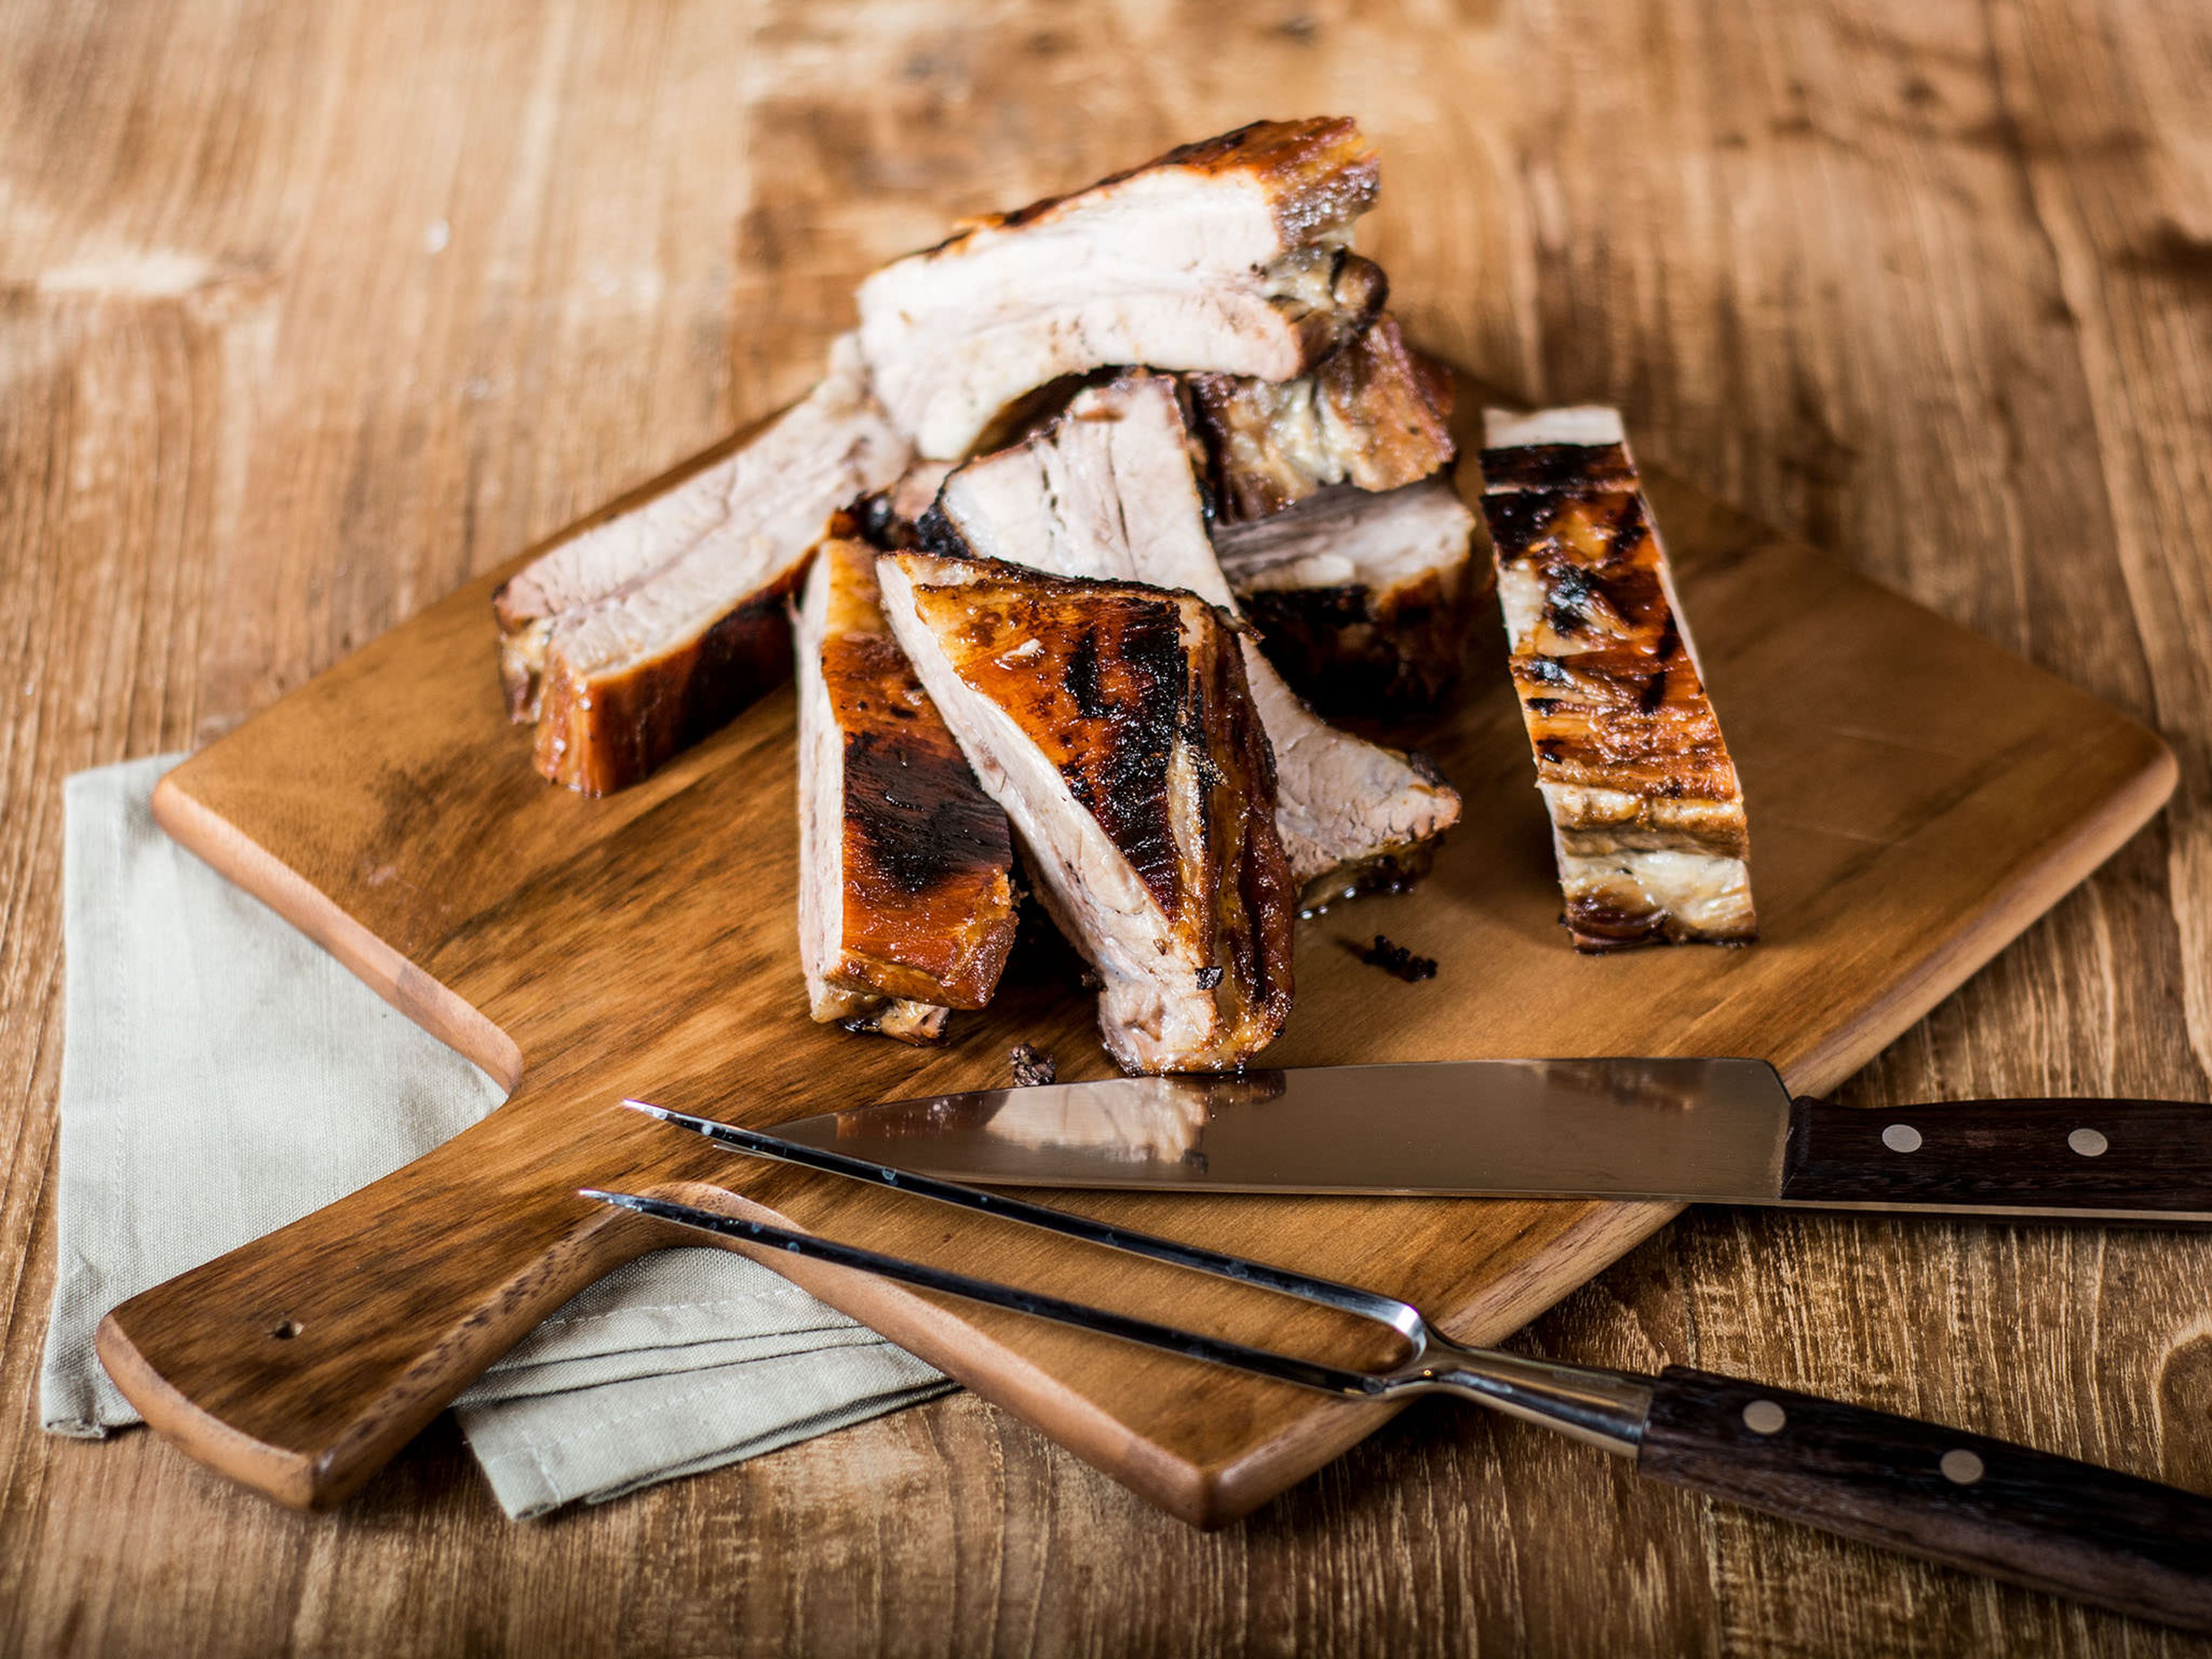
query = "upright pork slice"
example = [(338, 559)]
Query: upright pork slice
[(1107, 490), (1226, 255), (1361, 598), (1113, 723), (638, 636), (1375, 414), (906, 893), (1647, 814)]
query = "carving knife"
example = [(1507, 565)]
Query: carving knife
[(1688, 1131)]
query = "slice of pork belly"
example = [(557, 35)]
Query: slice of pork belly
[(1647, 814), (906, 893), (1107, 490), (1361, 598), (1227, 255), (1374, 413), (642, 633), (1112, 722)]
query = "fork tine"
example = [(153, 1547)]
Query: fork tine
[(1284, 1368), (1401, 1317)]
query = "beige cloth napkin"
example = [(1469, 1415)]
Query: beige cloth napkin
[(222, 1075)]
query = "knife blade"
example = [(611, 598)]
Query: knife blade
[(1705, 1130)]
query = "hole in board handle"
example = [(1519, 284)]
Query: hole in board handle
[(288, 1330)]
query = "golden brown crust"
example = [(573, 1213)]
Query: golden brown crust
[(1116, 684), (1643, 795), (928, 895)]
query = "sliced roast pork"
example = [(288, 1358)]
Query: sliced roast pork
[(1374, 413), (1361, 598), (1107, 490), (642, 633), (1229, 255), (1647, 813), (906, 893), (1112, 722)]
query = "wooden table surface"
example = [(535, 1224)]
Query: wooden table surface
[(309, 311)]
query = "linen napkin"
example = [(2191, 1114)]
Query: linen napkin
[(222, 1075)]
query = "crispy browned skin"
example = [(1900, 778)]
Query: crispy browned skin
[(1114, 683), (928, 861), (607, 735), (1374, 413), (1629, 753)]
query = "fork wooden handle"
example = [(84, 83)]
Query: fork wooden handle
[(1962, 1499)]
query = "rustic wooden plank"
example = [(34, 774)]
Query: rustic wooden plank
[(1818, 255)]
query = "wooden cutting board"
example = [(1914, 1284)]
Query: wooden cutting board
[(1917, 795)]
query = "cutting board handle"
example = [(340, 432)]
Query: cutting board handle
[(299, 1364)]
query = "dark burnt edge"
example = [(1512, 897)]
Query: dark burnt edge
[(1347, 655), (1576, 469), (1261, 962), (1127, 790)]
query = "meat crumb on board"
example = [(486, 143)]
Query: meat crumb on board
[(1032, 1067), (1395, 959)]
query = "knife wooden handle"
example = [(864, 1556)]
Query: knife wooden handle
[(2055, 1157), (1962, 1499), (298, 1363)]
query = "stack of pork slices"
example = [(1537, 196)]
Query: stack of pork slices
[(1101, 501)]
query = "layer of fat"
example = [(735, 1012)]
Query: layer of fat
[(1107, 492), (1584, 425), (1150, 1012), (1702, 895), (1379, 540), (821, 810)]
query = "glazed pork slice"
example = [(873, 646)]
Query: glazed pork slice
[(1108, 491), (1647, 814), (906, 893), (1361, 598), (1112, 722), (1375, 414), (638, 636), (1230, 255)]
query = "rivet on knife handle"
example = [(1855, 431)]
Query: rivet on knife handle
[(2027, 1516), (1963, 1500), (2036, 1157)]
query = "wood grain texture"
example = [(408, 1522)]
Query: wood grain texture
[(1925, 285)]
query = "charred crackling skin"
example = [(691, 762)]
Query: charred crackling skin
[(907, 899), (1108, 491), (1113, 723), (1646, 810), (1230, 256), (1374, 413)]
